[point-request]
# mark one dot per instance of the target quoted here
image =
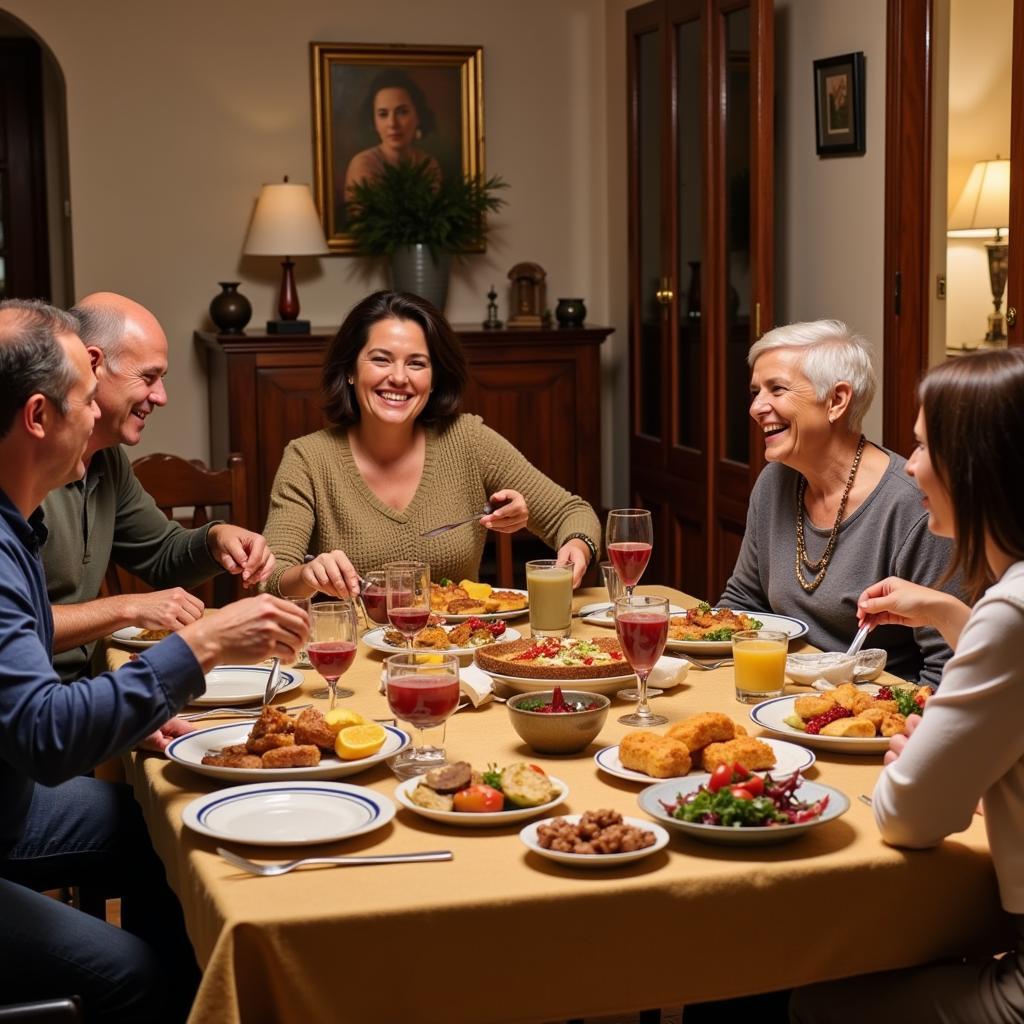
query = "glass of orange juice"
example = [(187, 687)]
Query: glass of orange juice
[(760, 669)]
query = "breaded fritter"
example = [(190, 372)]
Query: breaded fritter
[(271, 720), (292, 756), (226, 760), (854, 727), (261, 744), (700, 730), (861, 702), (893, 725), (874, 715), (311, 728), (845, 695), (813, 704), (755, 755), (466, 606), (661, 757)]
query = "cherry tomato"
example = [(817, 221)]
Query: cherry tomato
[(479, 799), (754, 785), (721, 776), (739, 772), (741, 792)]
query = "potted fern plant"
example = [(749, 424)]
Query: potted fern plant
[(405, 213)]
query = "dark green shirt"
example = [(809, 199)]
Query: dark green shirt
[(106, 517)]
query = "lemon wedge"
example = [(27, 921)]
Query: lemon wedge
[(356, 741), (478, 591), (429, 659), (341, 718)]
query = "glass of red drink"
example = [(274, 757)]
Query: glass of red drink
[(642, 625), (375, 598), (630, 539), (332, 644), (407, 593), (424, 694)]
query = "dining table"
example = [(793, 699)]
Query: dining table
[(499, 934)]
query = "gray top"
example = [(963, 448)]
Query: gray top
[(109, 516), (886, 536)]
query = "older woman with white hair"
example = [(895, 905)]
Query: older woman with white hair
[(832, 513)]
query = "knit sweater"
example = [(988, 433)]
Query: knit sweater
[(320, 502)]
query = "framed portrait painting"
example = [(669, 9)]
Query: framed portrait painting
[(387, 103), (839, 104)]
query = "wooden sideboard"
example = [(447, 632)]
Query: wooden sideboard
[(541, 389)]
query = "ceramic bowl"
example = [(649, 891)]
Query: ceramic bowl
[(562, 733), (833, 667), (870, 664)]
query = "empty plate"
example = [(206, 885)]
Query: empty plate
[(243, 684)]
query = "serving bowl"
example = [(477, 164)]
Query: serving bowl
[(833, 667), (563, 732)]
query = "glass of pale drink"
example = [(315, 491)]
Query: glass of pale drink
[(760, 664)]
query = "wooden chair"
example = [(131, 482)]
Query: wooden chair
[(177, 483)]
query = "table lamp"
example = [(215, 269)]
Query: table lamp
[(983, 207), (286, 222)]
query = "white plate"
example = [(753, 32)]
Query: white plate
[(600, 614), (668, 673), (595, 860), (243, 684), (796, 628), (129, 637), (789, 758), (374, 639), (487, 819), (769, 714), (650, 801), (189, 750), (288, 813), (490, 616)]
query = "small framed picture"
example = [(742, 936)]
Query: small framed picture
[(839, 104)]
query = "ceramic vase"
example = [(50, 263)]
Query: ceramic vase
[(413, 269), (570, 312), (230, 310)]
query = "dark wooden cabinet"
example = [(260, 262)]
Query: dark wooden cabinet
[(541, 389)]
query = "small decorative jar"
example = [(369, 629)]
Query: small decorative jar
[(230, 310), (570, 312)]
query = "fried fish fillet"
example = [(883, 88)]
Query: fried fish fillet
[(856, 727), (700, 730), (467, 606), (754, 755), (661, 757), (235, 760), (504, 601), (292, 757), (311, 728)]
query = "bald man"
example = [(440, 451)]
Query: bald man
[(107, 515)]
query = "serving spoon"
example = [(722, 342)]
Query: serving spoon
[(858, 641), (438, 530)]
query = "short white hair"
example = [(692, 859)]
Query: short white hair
[(831, 353)]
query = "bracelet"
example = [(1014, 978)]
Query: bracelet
[(591, 547)]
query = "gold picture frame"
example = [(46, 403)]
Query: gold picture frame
[(447, 81)]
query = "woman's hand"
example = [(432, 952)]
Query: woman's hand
[(576, 554), (511, 516), (332, 573), (899, 741), (899, 602)]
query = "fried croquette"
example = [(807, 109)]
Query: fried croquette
[(311, 728), (874, 715), (292, 756), (661, 757), (813, 704), (893, 724), (432, 637), (271, 720), (845, 695), (700, 730), (754, 755), (261, 744), (850, 727), (234, 760)]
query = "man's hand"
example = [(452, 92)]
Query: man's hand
[(248, 631), (241, 552), (164, 609), (161, 739)]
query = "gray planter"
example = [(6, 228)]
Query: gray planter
[(413, 270)]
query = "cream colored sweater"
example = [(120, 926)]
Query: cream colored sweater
[(320, 502)]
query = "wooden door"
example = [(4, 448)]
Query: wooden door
[(700, 193)]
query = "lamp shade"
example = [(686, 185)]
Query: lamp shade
[(285, 223), (984, 204)]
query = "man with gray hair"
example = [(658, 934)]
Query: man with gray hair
[(58, 827), (107, 515)]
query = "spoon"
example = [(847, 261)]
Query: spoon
[(858, 641), (438, 530)]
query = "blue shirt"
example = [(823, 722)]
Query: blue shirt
[(51, 731)]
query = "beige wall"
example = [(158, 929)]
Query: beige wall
[(178, 112)]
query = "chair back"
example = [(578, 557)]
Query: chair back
[(176, 483)]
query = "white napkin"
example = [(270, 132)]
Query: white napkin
[(668, 672), (474, 684)]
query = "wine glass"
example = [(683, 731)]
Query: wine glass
[(375, 598), (642, 625), (630, 538), (407, 586), (423, 694), (332, 644)]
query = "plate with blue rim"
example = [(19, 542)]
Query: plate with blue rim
[(190, 749), (243, 684), (288, 813), (793, 628)]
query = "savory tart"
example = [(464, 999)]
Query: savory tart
[(551, 658)]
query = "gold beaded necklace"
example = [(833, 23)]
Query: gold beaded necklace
[(819, 567)]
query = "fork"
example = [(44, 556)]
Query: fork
[(195, 716), (705, 666), (268, 870), (438, 530)]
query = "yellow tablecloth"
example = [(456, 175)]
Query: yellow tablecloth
[(501, 935)]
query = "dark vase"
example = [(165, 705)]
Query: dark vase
[(570, 312), (693, 296), (230, 310)]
